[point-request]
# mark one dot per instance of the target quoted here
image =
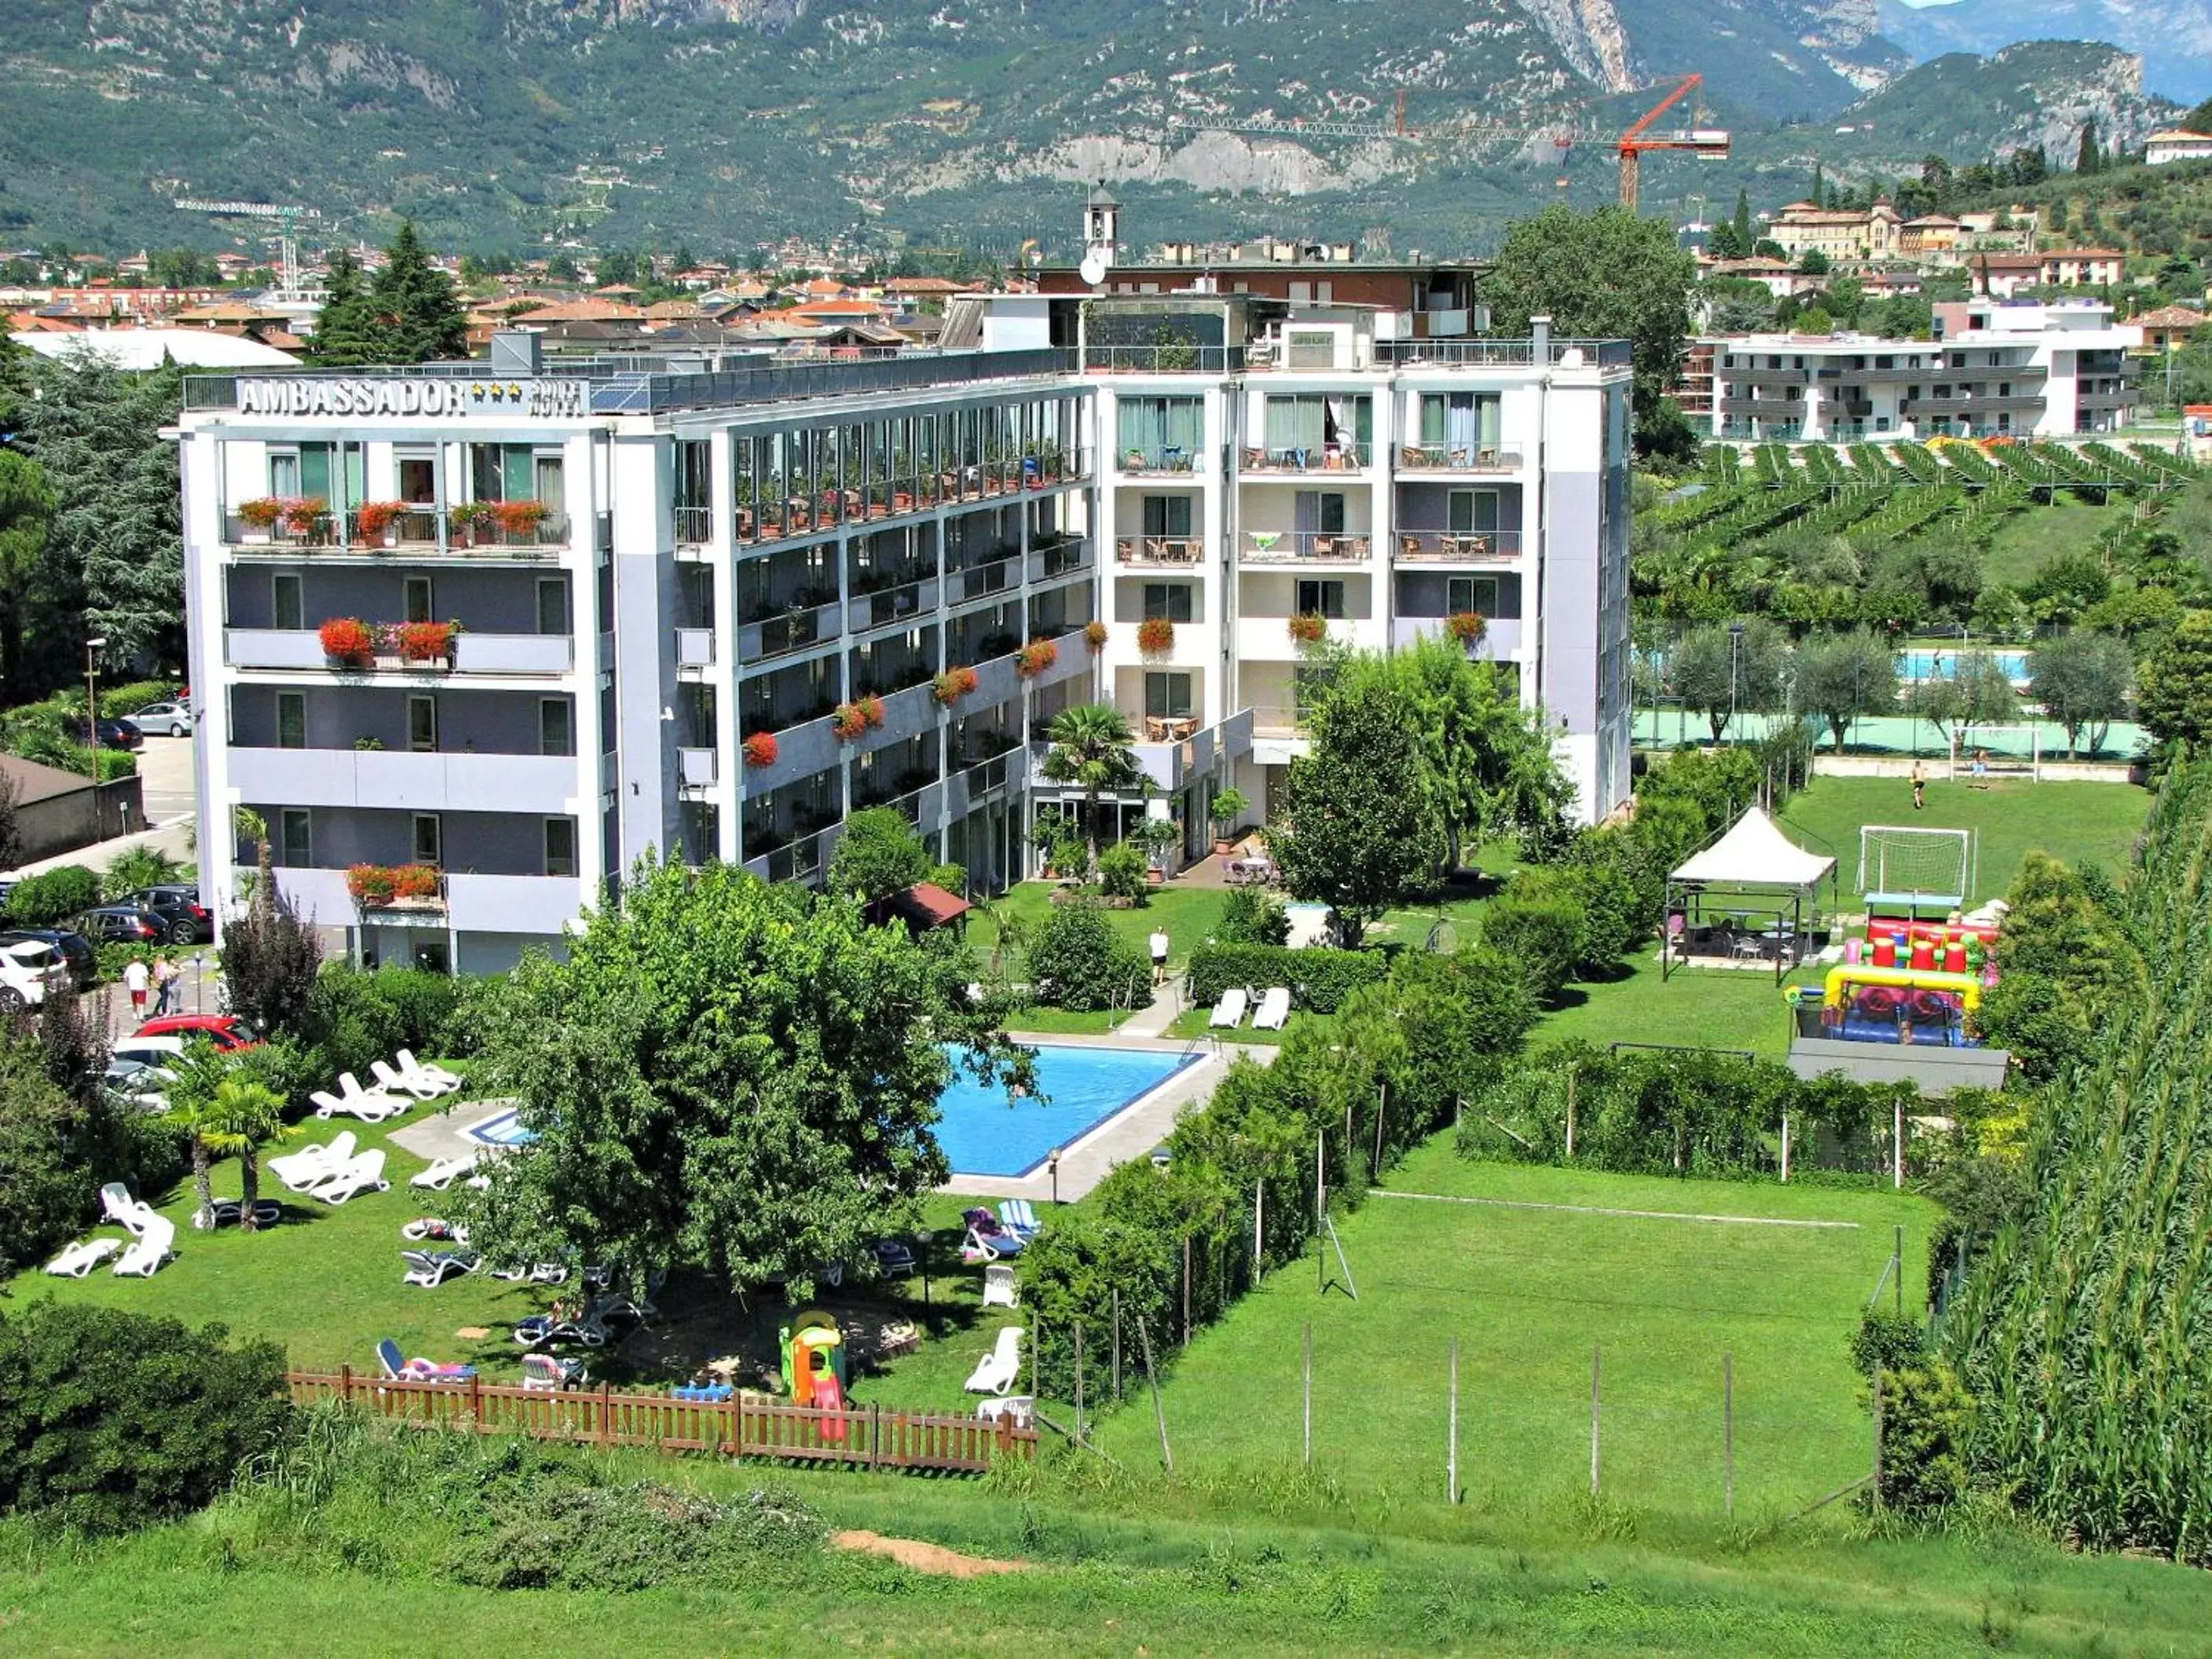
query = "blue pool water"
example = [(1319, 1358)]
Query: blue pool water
[(501, 1129), (1916, 665), (985, 1133)]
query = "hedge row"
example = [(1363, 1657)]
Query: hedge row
[(1319, 980)]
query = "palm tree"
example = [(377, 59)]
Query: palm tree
[(1012, 932), (192, 1112), (249, 825), (246, 1116), (1090, 745)]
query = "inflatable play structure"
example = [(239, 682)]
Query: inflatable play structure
[(1882, 1003), (814, 1365)]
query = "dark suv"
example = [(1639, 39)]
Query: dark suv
[(122, 923), (184, 918)]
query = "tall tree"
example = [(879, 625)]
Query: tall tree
[(418, 314), (1742, 219), (1719, 674), (347, 331), (1844, 675), (880, 852), (1977, 693), (1090, 749), (1356, 832), (745, 1081), (1609, 274), (25, 503), (2089, 158), (2175, 700), (114, 560), (1820, 196), (2081, 681)]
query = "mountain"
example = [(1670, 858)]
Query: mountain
[(731, 124), (2174, 37)]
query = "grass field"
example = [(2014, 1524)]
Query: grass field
[(1530, 1293), (2030, 538)]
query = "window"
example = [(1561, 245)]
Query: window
[(1160, 431), (1475, 593), (421, 600), (553, 604), (1167, 515), (1321, 511), (1324, 598), (1471, 512), (291, 719), (560, 847), (1167, 599), (285, 608), (422, 724), (429, 847), (556, 734), (418, 480), (1167, 697), (295, 831), (1461, 424), (1314, 423)]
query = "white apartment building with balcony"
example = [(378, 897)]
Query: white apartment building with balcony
[(709, 615)]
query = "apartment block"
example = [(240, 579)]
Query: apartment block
[(472, 638)]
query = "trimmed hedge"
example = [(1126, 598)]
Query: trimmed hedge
[(42, 900), (1319, 980)]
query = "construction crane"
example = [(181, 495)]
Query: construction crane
[(1707, 143), (288, 219)]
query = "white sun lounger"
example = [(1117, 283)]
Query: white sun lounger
[(1275, 1009), (443, 1081), (124, 1211), (1001, 1367), (364, 1175), (357, 1102), (82, 1257), (312, 1165), (1230, 1011), (445, 1171), (154, 1246), (390, 1082)]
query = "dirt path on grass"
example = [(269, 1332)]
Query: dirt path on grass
[(923, 1558)]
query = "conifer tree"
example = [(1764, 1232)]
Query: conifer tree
[(2089, 158), (346, 331), (418, 314)]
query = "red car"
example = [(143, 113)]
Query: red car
[(224, 1031)]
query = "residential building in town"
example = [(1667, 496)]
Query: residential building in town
[(1840, 234), (2048, 370), (2168, 329), (709, 615), (2164, 149)]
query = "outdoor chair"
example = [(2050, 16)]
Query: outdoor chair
[(225, 1213), (390, 1081), (431, 1268), (410, 1067), (1230, 1011), (124, 1211), (398, 1369), (1019, 1409), (445, 1171), (1275, 1009), (893, 1256), (82, 1257), (1001, 1368), (1018, 1216), (365, 1174), (545, 1372), (999, 1290), (311, 1165), (144, 1259)]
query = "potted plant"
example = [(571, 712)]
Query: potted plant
[(1155, 636), (373, 521), (1229, 806), (872, 711), (759, 749), (1467, 627), (464, 520), (348, 641), (953, 685), (427, 642), (416, 881), (1033, 659), (1307, 627), (1095, 635), (368, 745), (305, 516), (371, 885), (849, 722), (260, 515), (1159, 838), (518, 521)]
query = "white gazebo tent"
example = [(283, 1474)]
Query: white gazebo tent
[(1755, 868)]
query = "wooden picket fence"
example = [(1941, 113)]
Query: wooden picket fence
[(866, 1437)]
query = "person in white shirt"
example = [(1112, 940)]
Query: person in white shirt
[(1159, 955), (136, 978)]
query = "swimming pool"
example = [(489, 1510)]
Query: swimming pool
[(983, 1133), (1916, 665), (499, 1129)]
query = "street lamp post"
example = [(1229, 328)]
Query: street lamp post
[(92, 724), (1735, 643)]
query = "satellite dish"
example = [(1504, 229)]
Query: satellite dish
[(1092, 269)]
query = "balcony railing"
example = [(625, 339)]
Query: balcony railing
[(1158, 463), (417, 531), (1174, 358), (697, 769), (912, 595), (1323, 458), (809, 512), (1456, 547), (1501, 354), (1287, 546), (694, 525), (695, 647), (1060, 556), (1457, 458), (1158, 549)]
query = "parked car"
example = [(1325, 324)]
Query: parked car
[(143, 1050), (184, 919), (77, 951), (136, 1083), (122, 924), (172, 720), (30, 971), (113, 734), (224, 1031)]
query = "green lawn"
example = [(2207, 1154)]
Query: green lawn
[(2031, 538), (1700, 1007), (1530, 1293), (2076, 821), (1189, 914)]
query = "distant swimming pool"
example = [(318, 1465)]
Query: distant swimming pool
[(501, 1129), (983, 1133), (1939, 664)]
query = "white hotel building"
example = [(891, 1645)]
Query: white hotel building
[(676, 592)]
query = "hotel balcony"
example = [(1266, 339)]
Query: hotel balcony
[(1306, 546), (1174, 753), (1319, 458), (1447, 547), (473, 903), (1500, 641), (417, 532), (1166, 463), (436, 782), (300, 650), (1160, 551), (1457, 458)]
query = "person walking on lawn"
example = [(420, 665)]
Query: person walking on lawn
[(1159, 943), (136, 979), (1919, 787)]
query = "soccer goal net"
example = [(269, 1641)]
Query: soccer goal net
[(1980, 754), (1906, 868)]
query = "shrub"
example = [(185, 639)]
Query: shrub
[(131, 695), (1122, 870), (1318, 979), (1467, 627), (425, 641), (1307, 627), (111, 1420), (354, 1017), (1077, 961), (348, 640), (136, 868), (1251, 917), (1926, 1416), (1887, 1342), (953, 685), (303, 514), (519, 518), (262, 511), (43, 900), (47, 1183), (1541, 931), (418, 881), (369, 883), (373, 519)]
